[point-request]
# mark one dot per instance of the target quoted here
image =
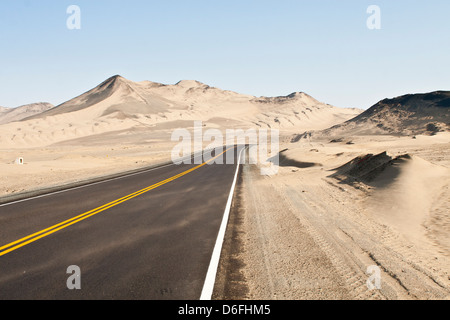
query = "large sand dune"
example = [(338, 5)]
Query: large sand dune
[(119, 104)]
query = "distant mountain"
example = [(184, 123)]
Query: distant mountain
[(190, 99), (8, 115), (300, 111), (410, 114), (118, 107), (116, 94)]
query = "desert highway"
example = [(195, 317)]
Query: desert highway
[(144, 236)]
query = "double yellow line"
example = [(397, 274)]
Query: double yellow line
[(46, 232)]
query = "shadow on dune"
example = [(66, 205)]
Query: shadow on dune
[(374, 170), (285, 161)]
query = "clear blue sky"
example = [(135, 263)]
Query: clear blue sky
[(257, 47)]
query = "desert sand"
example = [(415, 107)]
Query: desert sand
[(309, 232)]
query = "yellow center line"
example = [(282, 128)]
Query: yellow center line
[(48, 231)]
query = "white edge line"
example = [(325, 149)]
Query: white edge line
[(99, 182), (83, 186), (210, 280)]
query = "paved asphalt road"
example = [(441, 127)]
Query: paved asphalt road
[(153, 244)]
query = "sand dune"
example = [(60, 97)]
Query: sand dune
[(407, 200), (408, 194), (300, 111), (113, 95), (119, 104), (368, 168)]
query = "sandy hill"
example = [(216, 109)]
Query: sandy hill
[(118, 104), (191, 99), (410, 114), (116, 94), (409, 191), (299, 111), (368, 168), (16, 114)]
